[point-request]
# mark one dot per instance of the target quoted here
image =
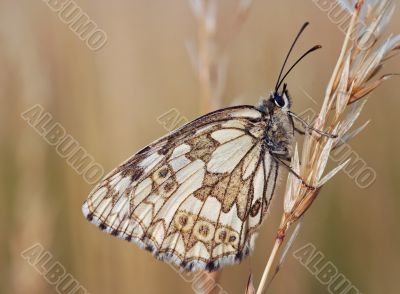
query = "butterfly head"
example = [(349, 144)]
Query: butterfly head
[(278, 101), (281, 99)]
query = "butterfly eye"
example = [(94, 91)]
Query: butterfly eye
[(280, 100)]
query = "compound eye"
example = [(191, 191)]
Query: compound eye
[(281, 100)]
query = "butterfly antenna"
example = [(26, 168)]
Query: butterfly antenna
[(278, 82), (316, 47)]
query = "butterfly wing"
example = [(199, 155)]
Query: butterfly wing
[(194, 197)]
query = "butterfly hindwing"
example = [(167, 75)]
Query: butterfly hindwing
[(194, 197)]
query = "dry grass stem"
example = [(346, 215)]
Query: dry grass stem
[(209, 56), (354, 77)]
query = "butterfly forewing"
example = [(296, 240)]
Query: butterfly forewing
[(196, 196)]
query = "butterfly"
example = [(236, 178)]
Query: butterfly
[(197, 196)]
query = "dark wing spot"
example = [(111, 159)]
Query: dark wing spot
[(134, 171), (137, 172), (149, 248), (164, 149), (163, 172), (169, 186), (102, 226), (211, 266), (183, 219), (145, 149), (191, 265), (204, 230), (232, 238), (255, 208), (89, 217), (114, 232), (238, 256), (222, 236), (183, 264)]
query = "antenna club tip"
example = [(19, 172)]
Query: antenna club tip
[(316, 47)]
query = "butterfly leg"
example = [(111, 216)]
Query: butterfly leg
[(293, 172), (309, 127), (301, 132)]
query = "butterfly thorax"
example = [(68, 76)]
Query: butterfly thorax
[(279, 134)]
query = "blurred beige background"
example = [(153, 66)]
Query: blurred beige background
[(109, 101)]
